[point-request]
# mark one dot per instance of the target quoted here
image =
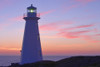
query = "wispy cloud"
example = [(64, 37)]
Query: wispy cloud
[(91, 38), (47, 12), (55, 25), (10, 21), (76, 34), (79, 3), (81, 31), (5, 48), (68, 8), (9, 51), (97, 34), (81, 34), (84, 1), (18, 18), (78, 27)]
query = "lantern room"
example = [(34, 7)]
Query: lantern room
[(31, 11)]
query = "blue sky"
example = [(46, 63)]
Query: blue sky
[(63, 23)]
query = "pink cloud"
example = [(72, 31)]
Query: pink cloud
[(85, 1), (76, 34), (95, 41), (10, 21), (47, 12), (80, 34), (91, 38), (80, 2), (97, 34), (18, 18), (67, 32), (67, 35), (70, 33), (68, 8), (84, 26), (78, 27), (55, 25), (96, 30)]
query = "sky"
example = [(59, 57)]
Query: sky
[(67, 27)]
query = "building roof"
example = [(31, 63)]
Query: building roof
[(31, 7)]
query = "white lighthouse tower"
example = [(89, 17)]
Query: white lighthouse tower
[(31, 49)]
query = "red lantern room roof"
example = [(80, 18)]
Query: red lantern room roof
[(31, 7)]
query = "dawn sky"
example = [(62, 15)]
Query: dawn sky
[(67, 27)]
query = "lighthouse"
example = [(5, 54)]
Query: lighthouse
[(31, 47)]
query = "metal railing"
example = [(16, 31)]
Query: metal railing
[(25, 15), (38, 14)]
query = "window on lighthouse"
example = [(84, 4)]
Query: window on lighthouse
[(31, 10)]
